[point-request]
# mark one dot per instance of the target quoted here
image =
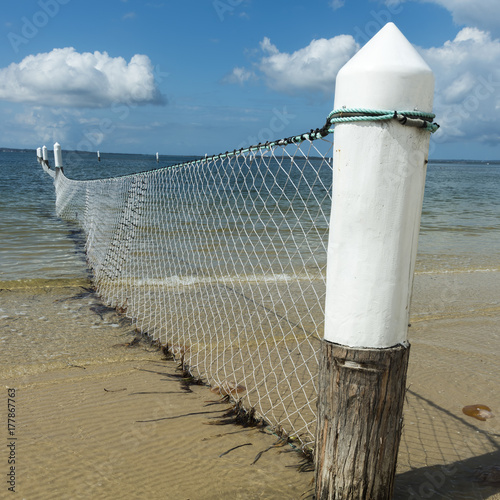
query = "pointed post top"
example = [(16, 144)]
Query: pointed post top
[(387, 73)]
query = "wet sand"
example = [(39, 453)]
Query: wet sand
[(128, 430), (98, 419)]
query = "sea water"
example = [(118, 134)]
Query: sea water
[(460, 225), (458, 255), (36, 247), (458, 260)]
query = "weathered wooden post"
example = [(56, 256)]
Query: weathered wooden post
[(378, 185)]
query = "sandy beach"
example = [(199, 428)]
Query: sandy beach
[(114, 421), (97, 418), (129, 430)]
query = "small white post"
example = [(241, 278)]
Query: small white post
[(39, 155), (98, 156), (57, 155), (378, 185), (45, 156), (157, 158)]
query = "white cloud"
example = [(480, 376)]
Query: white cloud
[(484, 14), (467, 95), (39, 125), (81, 129), (240, 76), (64, 77), (312, 68), (479, 13), (467, 71)]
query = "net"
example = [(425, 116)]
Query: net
[(224, 260)]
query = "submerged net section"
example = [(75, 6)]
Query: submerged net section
[(224, 260)]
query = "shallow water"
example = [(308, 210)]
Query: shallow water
[(48, 323), (457, 262), (460, 227)]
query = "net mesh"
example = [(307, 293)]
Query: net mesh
[(224, 261)]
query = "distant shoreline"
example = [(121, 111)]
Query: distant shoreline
[(93, 153)]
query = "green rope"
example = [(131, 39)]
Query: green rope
[(415, 118), (419, 119)]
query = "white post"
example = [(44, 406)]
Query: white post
[(157, 158), (39, 155), (45, 156), (378, 185), (57, 155), (98, 156)]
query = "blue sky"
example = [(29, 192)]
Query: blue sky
[(206, 76)]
